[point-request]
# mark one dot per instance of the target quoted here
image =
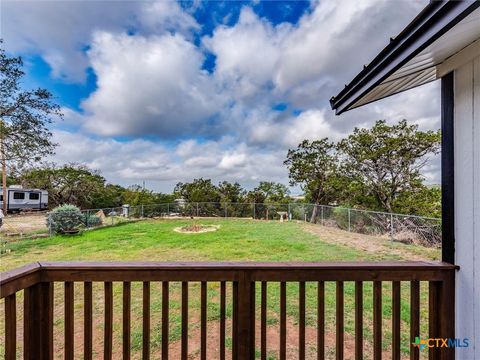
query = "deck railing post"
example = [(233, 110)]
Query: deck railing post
[(38, 322), (447, 313), (246, 317)]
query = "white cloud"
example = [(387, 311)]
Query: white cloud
[(130, 162), (148, 85), (247, 53), (61, 31), (289, 133)]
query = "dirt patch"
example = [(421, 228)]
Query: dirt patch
[(24, 224), (196, 229)]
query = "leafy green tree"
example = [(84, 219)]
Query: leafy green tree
[(230, 193), (24, 119), (199, 190), (109, 196), (68, 184), (425, 201), (387, 159), (272, 192), (137, 195), (314, 166)]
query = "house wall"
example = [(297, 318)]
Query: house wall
[(467, 205)]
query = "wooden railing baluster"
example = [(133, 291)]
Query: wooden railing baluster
[(283, 321), (203, 321), (108, 322), (69, 321), (358, 320), (321, 320), (434, 316), (146, 321), (126, 320), (414, 318), (447, 313), (165, 323), (396, 320), (301, 322), (377, 320), (223, 295), (184, 351), (339, 321), (234, 320), (250, 286), (38, 322), (11, 327), (263, 322), (87, 321)]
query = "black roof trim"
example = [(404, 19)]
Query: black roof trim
[(432, 22)]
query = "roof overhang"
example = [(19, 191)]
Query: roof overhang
[(421, 53)]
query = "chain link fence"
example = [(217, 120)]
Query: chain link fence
[(397, 227)]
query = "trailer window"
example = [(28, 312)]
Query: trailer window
[(34, 196), (18, 196)]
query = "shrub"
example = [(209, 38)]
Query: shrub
[(65, 218), (92, 221)]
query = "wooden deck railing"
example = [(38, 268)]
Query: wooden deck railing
[(36, 280)]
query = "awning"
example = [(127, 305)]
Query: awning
[(418, 55)]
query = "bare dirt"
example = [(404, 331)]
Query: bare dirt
[(23, 224)]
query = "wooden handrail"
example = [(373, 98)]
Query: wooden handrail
[(37, 280)]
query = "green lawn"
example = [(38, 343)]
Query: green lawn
[(236, 240)]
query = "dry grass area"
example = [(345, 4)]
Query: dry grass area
[(374, 245), (23, 224)]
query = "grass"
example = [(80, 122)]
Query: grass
[(236, 240)]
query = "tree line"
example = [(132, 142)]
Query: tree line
[(379, 168)]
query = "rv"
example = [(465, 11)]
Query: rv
[(19, 199)]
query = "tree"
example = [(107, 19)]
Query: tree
[(314, 166), (387, 159), (137, 195), (69, 184), (272, 192), (24, 119), (230, 193), (268, 193), (199, 190)]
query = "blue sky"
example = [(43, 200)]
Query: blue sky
[(166, 91)]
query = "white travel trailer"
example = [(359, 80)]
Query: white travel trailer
[(24, 199)]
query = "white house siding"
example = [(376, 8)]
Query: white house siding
[(467, 206)]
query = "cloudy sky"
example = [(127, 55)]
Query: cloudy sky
[(161, 91)]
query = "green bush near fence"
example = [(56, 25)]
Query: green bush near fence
[(92, 220), (64, 219)]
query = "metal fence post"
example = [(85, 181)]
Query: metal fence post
[(254, 211), (168, 209), (142, 212), (321, 210), (197, 210), (391, 227), (349, 221), (225, 210), (288, 219)]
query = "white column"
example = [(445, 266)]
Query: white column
[(467, 206)]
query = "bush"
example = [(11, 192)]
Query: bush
[(65, 218), (92, 221)]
